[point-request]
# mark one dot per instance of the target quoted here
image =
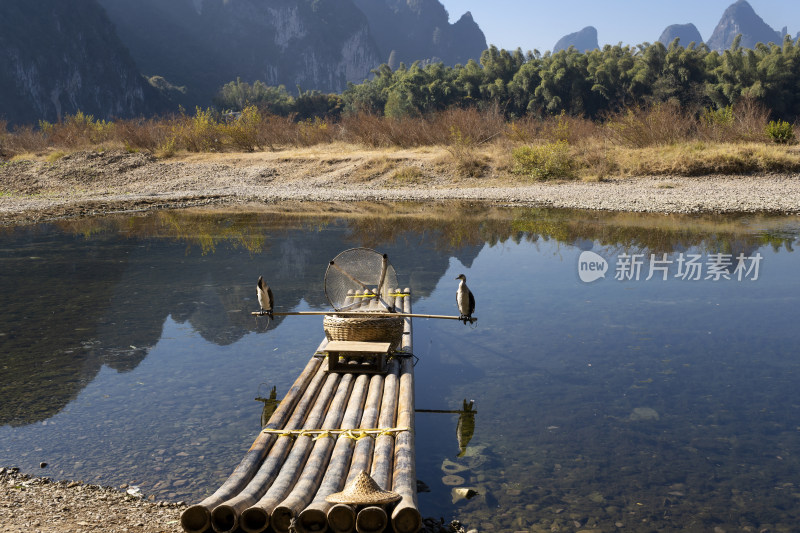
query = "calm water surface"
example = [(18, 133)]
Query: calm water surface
[(128, 355)]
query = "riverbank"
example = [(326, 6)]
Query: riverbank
[(30, 504), (92, 182), (34, 504)]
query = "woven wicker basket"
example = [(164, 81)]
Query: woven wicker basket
[(386, 329)]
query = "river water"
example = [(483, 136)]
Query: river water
[(128, 355)]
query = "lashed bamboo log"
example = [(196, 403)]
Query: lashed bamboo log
[(256, 518), (384, 444), (315, 467), (313, 519), (406, 518), (341, 517), (197, 518), (225, 516), (372, 519)]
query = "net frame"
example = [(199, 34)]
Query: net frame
[(358, 269)]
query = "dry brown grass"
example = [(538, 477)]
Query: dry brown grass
[(374, 167), (407, 175), (700, 158), (469, 143)]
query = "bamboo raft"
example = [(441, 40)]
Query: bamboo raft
[(330, 426)]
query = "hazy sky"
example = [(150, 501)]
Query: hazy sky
[(538, 24)]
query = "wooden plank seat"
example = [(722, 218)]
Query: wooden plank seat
[(357, 356)]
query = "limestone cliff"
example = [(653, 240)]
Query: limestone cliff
[(421, 30), (583, 41), (686, 33), (203, 44), (740, 18), (59, 57)]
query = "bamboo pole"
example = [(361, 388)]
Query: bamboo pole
[(256, 518), (384, 444), (313, 519), (225, 516), (318, 462), (378, 314), (372, 519), (406, 517), (341, 517), (197, 518)]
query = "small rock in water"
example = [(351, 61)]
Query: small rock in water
[(453, 481), (463, 493), (643, 413), (42, 465)]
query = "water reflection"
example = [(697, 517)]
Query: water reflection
[(270, 402), (660, 405)]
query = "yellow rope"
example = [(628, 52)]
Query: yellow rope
[(323, 435), (354, 434)]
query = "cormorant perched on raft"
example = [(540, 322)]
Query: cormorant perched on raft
[(465, 300), (265, 299)]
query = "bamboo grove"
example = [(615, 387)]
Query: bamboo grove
[(590, 84)]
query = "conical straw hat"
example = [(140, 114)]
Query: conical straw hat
[(362, 491)]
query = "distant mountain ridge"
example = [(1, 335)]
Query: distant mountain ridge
[(738, 18), (59, 57), (203, 44), (583, 41), (410, 30), (685, 33)]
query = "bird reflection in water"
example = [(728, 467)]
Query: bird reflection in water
[(465, 427), (466, 423), (270, 404)]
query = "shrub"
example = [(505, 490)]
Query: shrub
[(780, 131), (313, 131), (462, 150), (718, 124), (142, 134), (544, 162), (243, 130), (659, 125)]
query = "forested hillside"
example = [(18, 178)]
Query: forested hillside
[(582, 84)]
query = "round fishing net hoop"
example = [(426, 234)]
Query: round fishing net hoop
[(358, 270)]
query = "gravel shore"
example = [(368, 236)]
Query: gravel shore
[(39, 505), (34, 504), (88, 183)]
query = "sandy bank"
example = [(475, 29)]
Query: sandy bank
[(88, 183)]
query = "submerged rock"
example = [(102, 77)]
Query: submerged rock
[(463, 493), (643, 413)]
